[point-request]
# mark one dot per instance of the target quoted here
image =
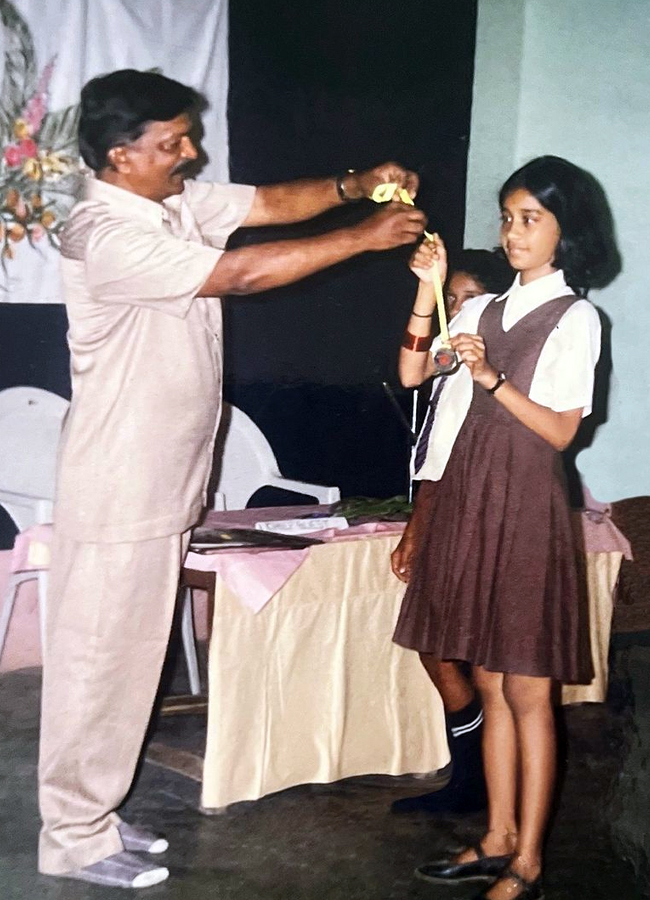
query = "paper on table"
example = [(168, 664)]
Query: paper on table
[(303, 526)]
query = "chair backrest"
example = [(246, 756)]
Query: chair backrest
[(244, 460), (30, 428)]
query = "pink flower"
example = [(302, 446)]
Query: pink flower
[(36, 108), (37, 232), (12, 154), (27, 148), (35, 112)]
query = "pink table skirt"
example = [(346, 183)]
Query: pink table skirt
[(253, 575)]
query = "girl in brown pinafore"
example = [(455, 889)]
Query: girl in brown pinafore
[(493, 577)]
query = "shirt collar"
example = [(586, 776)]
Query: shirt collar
[(539, 291), (125, 202)]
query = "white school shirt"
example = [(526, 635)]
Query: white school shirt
[(563, 377)]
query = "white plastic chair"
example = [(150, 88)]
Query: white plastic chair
[(30, 427), (246, 463)]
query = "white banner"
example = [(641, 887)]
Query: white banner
[(48, 50)]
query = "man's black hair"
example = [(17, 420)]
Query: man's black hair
[(116, 109), (586, 247), (489, 268)]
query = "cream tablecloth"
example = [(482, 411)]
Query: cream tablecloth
[(311, 688)]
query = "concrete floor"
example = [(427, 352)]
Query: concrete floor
[(312, 842)]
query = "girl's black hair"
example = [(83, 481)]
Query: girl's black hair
[(116, 109), (489, 268), (587, 250)]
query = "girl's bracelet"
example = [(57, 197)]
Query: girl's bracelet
[(422, 315), (416, 342)]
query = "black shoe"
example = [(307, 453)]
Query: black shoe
[(530, 890), (479, 869), (457, 798)]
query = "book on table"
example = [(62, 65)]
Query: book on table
[(212, 540)]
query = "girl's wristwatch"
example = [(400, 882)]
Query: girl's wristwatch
[(501, 377)]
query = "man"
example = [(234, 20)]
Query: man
[(143, 263)]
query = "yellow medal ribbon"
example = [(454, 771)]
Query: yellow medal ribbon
[(383, 193)]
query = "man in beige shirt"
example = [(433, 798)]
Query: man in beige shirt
[(144, 261)]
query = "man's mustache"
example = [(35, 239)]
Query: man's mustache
[(183, 168)]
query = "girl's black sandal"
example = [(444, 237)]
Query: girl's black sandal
[(480, 869), (531, 890)]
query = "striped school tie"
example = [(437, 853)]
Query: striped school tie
[(423, 440)]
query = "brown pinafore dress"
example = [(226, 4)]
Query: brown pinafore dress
[(494, 581)]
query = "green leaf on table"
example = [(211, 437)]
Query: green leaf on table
[(394, 508)]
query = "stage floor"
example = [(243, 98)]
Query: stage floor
[(311, 842)]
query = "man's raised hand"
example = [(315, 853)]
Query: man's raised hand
[(361, 184), (391, 226)]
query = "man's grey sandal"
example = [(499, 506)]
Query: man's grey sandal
[(123, 870), (139, 840)]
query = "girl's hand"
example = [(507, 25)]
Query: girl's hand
[(471, 349), (428, 253), (402, 557)]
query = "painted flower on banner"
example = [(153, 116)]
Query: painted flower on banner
[(38, 146)]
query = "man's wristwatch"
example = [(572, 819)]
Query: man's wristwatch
[(340, 187), (501, 377)]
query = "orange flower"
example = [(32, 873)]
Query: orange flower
[(54, 164), (12, 198), (21, 129), (32, 169), (16, 232), (20, 208), (48, 218)]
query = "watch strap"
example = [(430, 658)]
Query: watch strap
[(495, 387)]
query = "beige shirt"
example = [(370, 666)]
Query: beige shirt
[(146, 358)]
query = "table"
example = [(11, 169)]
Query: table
[(311, 689)]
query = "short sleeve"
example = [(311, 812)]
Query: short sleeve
[(130, 263), (564, 375), (218, 209)]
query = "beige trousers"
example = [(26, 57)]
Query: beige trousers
[(110, 609)]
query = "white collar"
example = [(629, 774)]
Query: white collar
[(126, 202), (538, 291)]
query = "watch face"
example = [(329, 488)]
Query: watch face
[(446, 360)]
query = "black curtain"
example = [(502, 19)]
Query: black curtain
[(316, 88)]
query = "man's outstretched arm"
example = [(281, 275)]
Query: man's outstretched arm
[(295, 201), (260, 267)]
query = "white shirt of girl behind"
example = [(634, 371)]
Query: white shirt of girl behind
[(564, 374)]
